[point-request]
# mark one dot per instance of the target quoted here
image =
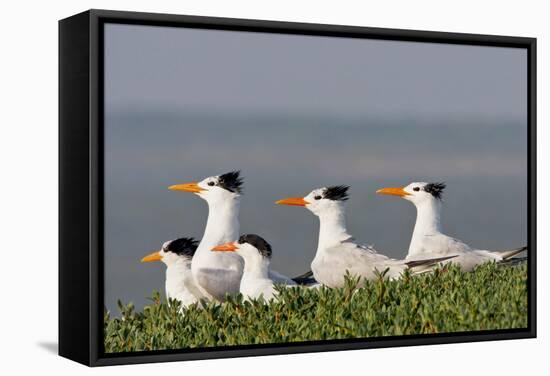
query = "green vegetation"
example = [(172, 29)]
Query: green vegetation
[(491, 297)]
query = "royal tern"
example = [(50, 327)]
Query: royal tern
[(428, 241), (337, 253), (257, 280), (217, 273), (177, 255)]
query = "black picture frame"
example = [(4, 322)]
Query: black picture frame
[(81, 182)]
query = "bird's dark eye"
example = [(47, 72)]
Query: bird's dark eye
[(416, 189), (317, 197), (211, 183)]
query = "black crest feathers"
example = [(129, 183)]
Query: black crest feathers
[(336, 193), (232, 181), (258, 242), (183, 247), (435, 189)]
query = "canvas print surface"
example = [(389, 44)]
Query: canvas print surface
[(267, 188)]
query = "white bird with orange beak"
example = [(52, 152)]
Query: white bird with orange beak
[(177, 255), (337, 253), (428, 241), (258, 280), (217, 273)]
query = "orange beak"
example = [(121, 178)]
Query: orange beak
[(192, 187), (227, 247), (155, 256), (393, 192), (293, 201)]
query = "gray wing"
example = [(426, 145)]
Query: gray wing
[(445, 245), (362, 260), (442, 245)]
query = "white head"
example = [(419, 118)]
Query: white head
[(320, 200), (214, 189), (417, 193), (182, 249), (249, 246)]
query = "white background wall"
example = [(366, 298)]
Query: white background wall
[(28, 184)]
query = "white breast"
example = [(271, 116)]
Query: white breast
[(176, 287), (255, 288), (218, 273)]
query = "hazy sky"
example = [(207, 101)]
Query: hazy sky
[(296, 113)]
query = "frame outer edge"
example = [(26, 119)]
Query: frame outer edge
[(532, 183), (95, 355), (74, 251)]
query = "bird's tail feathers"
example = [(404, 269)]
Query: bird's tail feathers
[(510, 253), (305, 279), (425, 263), (514, 261)]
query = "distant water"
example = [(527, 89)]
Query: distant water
[(484, 165)]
